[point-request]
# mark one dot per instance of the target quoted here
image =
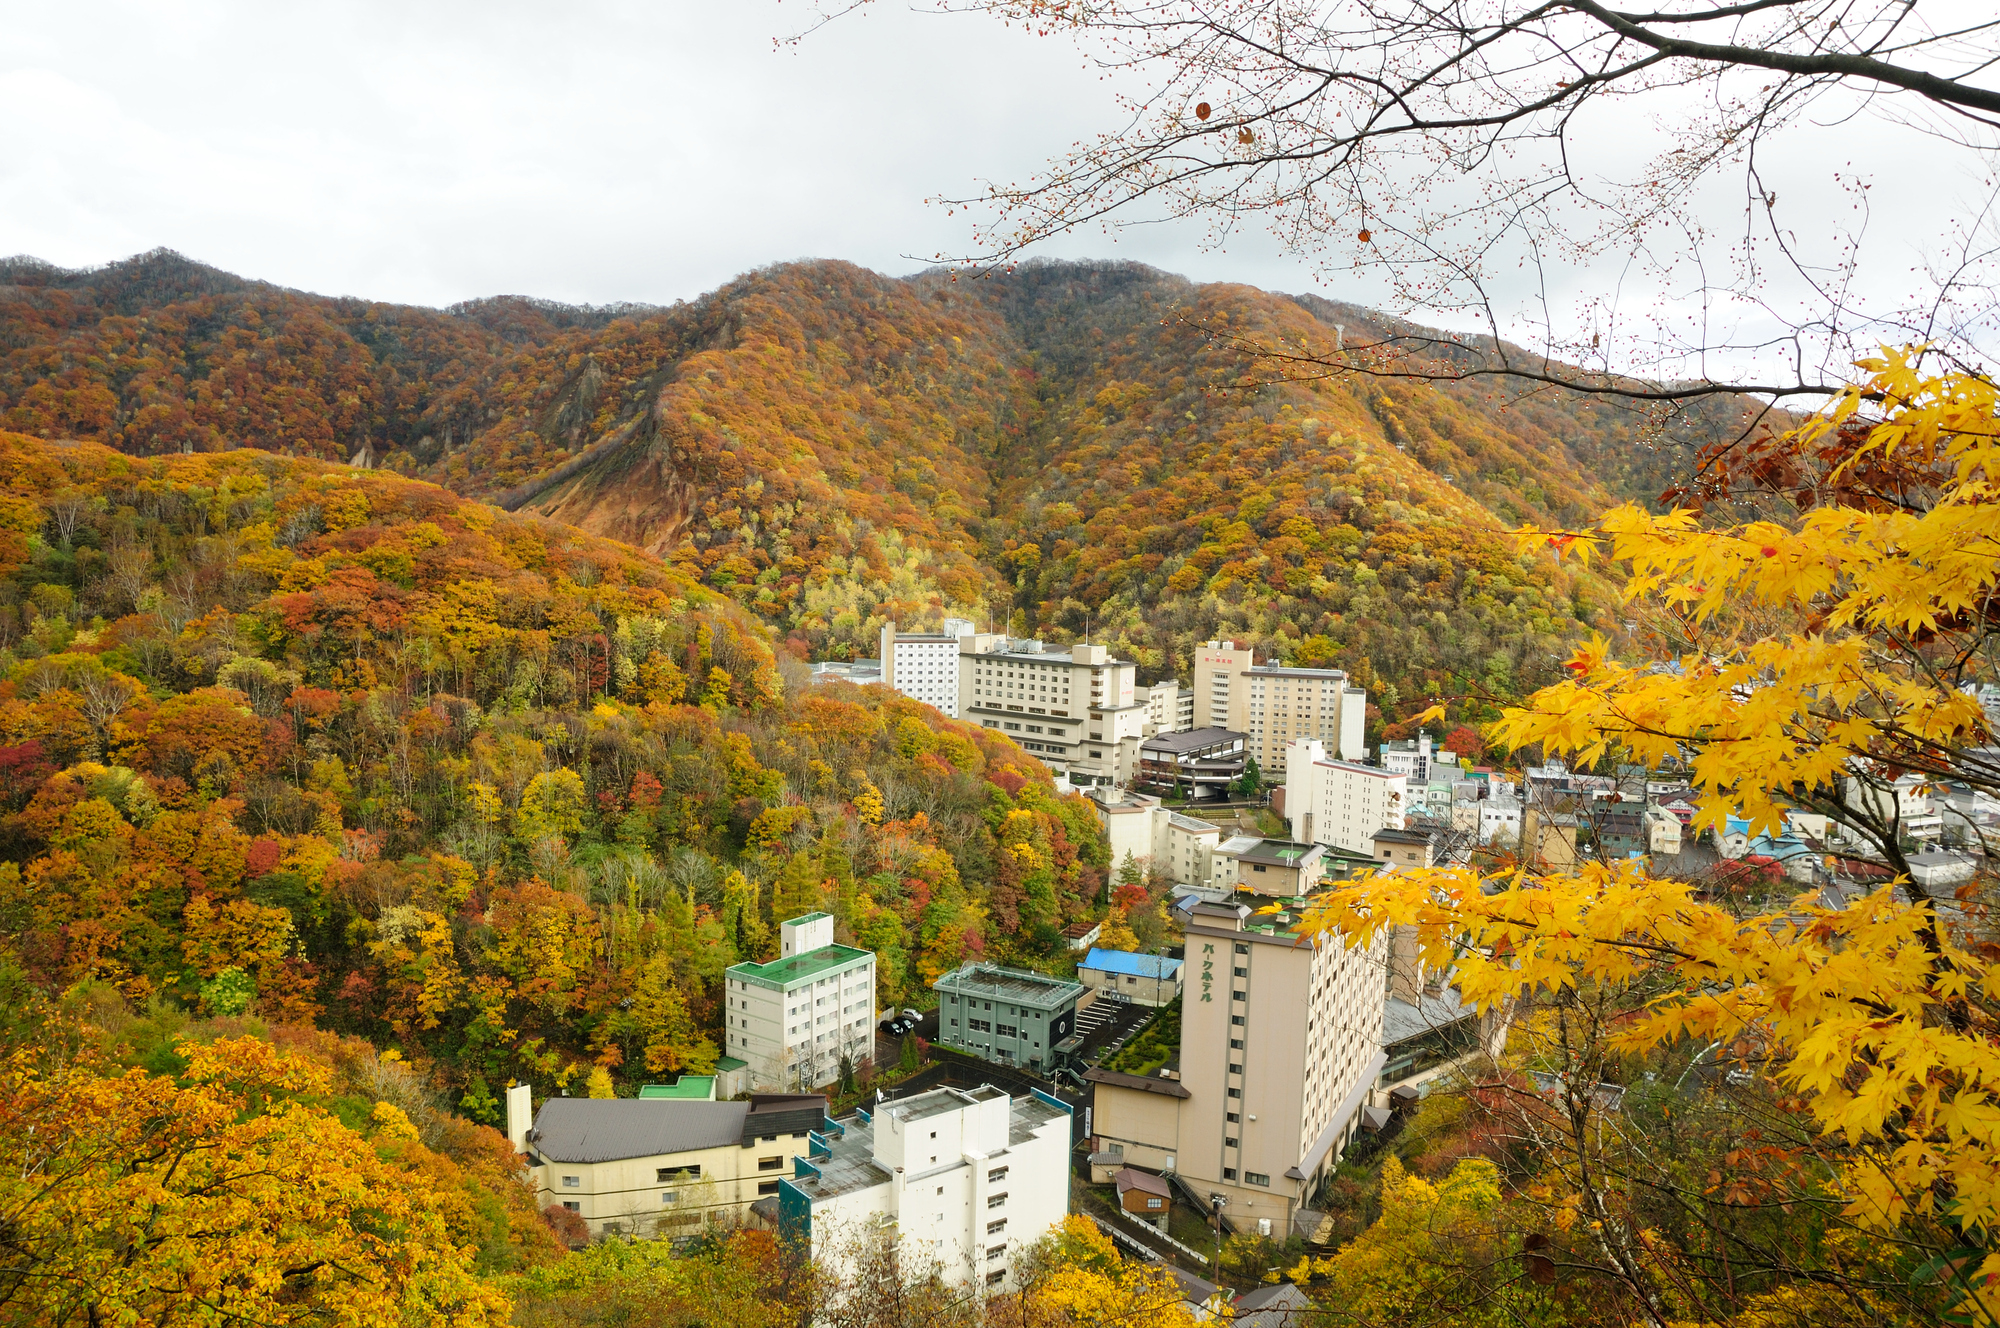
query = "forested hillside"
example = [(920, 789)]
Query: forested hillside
[(497, 794), (1061, 447)]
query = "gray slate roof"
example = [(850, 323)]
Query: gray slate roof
[(1281, 1306), (1401, 1020), (582, 1129)]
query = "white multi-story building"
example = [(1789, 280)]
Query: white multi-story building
[(924, 665), (1168, 708), (1410, 756), (1904, 802), (791, 1020), (966, 1180), (1075, 707), (1182, 848), (1499, 817), (1339, 802)]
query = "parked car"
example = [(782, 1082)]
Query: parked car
[(897, 1024)]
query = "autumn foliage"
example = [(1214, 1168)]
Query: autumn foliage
[(1859, 1033)]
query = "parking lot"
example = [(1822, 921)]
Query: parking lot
[(889, 1050)]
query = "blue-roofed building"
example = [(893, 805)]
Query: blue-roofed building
[(1142, 979)]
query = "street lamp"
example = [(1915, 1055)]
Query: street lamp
[(1216, 1202)]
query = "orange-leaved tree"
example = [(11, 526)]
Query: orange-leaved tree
[(1825, 660), (222, 1198)]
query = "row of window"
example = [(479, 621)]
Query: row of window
[(1249, 1177)]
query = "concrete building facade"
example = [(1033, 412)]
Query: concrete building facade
[(1338, 802), (1275, 705), (1006, 1015), (1075, 707), (1169, 708), (791, 1020), (1198, 763), (1294, 1025), (924, 665), (659, 1166), (1138, 826), (962, 1180), (1278, 706)]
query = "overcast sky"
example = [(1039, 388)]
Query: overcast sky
[(427, 152), (434, 151)]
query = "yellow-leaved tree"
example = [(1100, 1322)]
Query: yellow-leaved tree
[(1075, 1278), (1823, 663), (220, 1198)]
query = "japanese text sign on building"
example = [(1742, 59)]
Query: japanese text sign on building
[(1207, 970)]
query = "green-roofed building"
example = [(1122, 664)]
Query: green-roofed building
[(688, 1088), (792, 1020)]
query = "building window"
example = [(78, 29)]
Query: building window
[(1232, 1117), (1152, 1203), (770, 1163), (573, 1205), (670, 1196), (1242, 949), (1229, 1173), (996, 1277), (995, 1228), (1236, 1019), (1256, 1178), (1227, 1142), (997, 1200), (1241, 972), (668, 1173), (571, 1182), (1236, 1069), (1236, 1092)]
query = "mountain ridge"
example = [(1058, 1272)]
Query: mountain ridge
[(1068, 444)]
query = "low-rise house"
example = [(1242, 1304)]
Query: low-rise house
[(1008, 1015), (1082, 935), (1680, 802), (1202, 1299), (1663, 832), (1548, 837), (1277, 867), (1144, 1196), (1141, 979), (1621, 833), (1136, 1121), (1403, 848), (1904, 802), (659, 1166), (963, 1178)]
